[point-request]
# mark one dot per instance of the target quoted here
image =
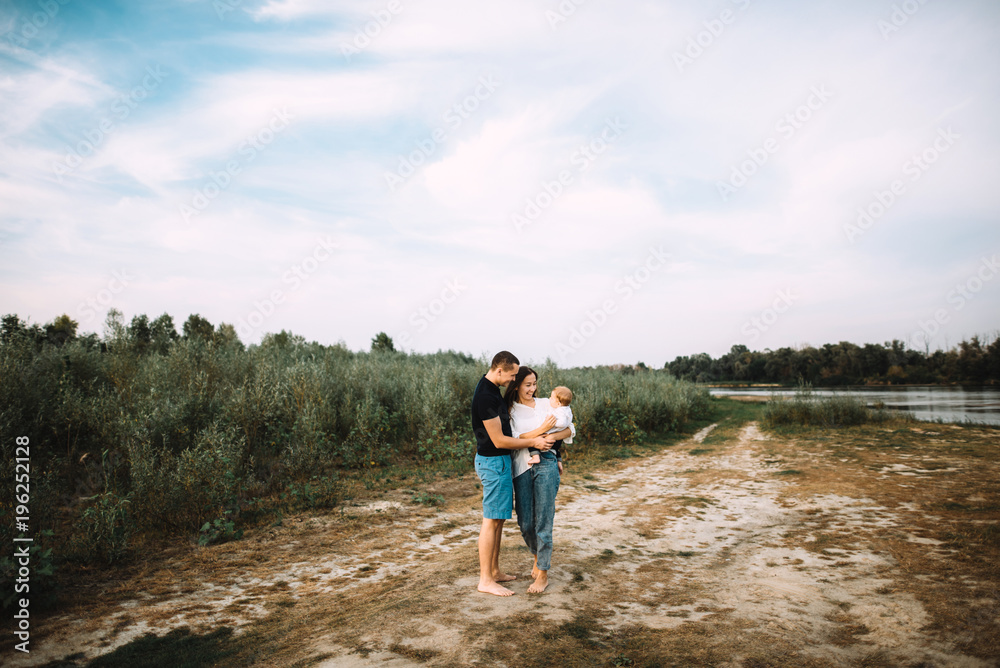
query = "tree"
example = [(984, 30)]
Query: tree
[(382, 343), (139, 333), (163, 333), (226, 335), (114, 327), (61, 330), (972, 360), (196, 327), (12, 327), (282, 339)]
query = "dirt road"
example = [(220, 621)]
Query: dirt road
[(731, 549)]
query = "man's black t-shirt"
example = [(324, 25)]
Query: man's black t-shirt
[(486, 405)]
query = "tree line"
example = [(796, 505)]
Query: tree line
[(972, 362)]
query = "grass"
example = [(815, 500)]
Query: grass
[(806, 409), (731, 415)]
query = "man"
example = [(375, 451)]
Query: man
[(491, 426)]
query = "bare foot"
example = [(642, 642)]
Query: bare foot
[(534, 569), (495, 589), (503, 577), (540, 583)]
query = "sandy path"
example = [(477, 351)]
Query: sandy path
[(685, 541)]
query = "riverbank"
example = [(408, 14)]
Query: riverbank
[(735, 546), (972, 405)]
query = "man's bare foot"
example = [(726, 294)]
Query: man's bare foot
[(495, 589), (503, 577), (540, 583)]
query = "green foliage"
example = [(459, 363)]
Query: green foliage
[(197, 327), (445, 445), (107, 526), (220, 530), (382, 343), (615, 407), (845, 363), (807, 409), (163, 434), (427, 499), (181, 491), (317, 492)]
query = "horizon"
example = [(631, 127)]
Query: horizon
[(581, 182), (985, 340)]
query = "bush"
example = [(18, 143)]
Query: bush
[(807, 409), (107, 526), (166, 434), (183, 491)]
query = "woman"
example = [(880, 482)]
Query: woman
[(535, 488)]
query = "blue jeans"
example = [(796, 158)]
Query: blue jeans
[(535, 503)]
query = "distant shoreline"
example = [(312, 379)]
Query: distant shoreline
[(764, 386)]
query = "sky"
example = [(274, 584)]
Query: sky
[(587, 182)]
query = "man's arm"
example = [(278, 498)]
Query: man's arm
[(503, 442)]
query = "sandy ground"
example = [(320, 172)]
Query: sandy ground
[(744, 550)]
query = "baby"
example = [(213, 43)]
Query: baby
[(560, 410)]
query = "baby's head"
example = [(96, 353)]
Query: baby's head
[(561, 396)]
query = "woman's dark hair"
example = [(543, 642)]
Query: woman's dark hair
[(510, 396)]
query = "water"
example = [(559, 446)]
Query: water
[(948, 404)]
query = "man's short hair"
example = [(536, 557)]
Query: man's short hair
[(504, 360)]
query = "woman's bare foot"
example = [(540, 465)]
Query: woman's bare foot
[(503, 577), (495, 589), (540, 583)]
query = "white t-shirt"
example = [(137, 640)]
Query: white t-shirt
[(525, 418)]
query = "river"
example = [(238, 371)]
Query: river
[(930, 403)]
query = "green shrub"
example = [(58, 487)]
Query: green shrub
[(317, 492), (220, 530), (806, 409), (183, 491), (106, 528), (168, 434)]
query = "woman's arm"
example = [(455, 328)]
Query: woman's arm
[(549, 422), (495, 432), (560, 435)]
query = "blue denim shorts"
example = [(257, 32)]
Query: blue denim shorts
[(498, 486)]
